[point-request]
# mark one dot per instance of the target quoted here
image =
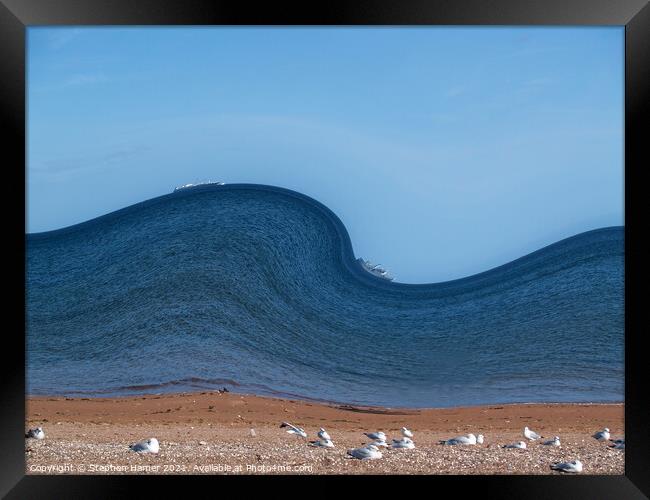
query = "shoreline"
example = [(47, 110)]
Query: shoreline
[(300, 399), (200, 430)]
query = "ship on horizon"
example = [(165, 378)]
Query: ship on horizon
[(191, 185), (375, 269)]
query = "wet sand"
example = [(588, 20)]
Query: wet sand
[(210, 433)]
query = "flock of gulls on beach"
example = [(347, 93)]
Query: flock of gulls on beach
[(370, 451)]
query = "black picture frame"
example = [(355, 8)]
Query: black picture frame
[(17, 15)]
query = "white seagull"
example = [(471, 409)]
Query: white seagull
[(574, 466), (322, 433), (376, 435), (521, 445), (325, 443), (532, 435), (479, 439), (602, 435), (552, 442), (468, 439), (379, 442), (146, 446), (405, 442), (294, 430), (35, 433), (406, 433), (368, 452)]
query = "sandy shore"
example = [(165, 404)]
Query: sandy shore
[(210, 433)]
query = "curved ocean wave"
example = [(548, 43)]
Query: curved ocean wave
[(259, 287)]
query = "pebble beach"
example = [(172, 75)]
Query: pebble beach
[(228, 433)]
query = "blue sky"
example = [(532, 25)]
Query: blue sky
[(444, 150)]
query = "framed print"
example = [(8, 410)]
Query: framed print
[(364, 240)]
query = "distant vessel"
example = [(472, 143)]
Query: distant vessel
[(188, 186), (375, 269)]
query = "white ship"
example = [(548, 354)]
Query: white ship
[(375, 269), (188, 186)]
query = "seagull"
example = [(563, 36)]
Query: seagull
[(146, 446), (553, 442), (325, 443), (618, 444), (574, 466), (532, 435), (469, 439), (368, 452), (405, 442), (379, 442), (479, 439), (376, 435), (406, 433), (520, 445), (322, 433), (602, 435), (294, 430), (35, 433)]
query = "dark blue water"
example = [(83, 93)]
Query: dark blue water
[(257, 289)]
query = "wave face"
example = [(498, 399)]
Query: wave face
[(257, 288)]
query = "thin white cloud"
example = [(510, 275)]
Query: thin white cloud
[(455, 91), (84, 79), (539, 82), (73, 81), (444, 117), (60, 37), (62, 166)]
